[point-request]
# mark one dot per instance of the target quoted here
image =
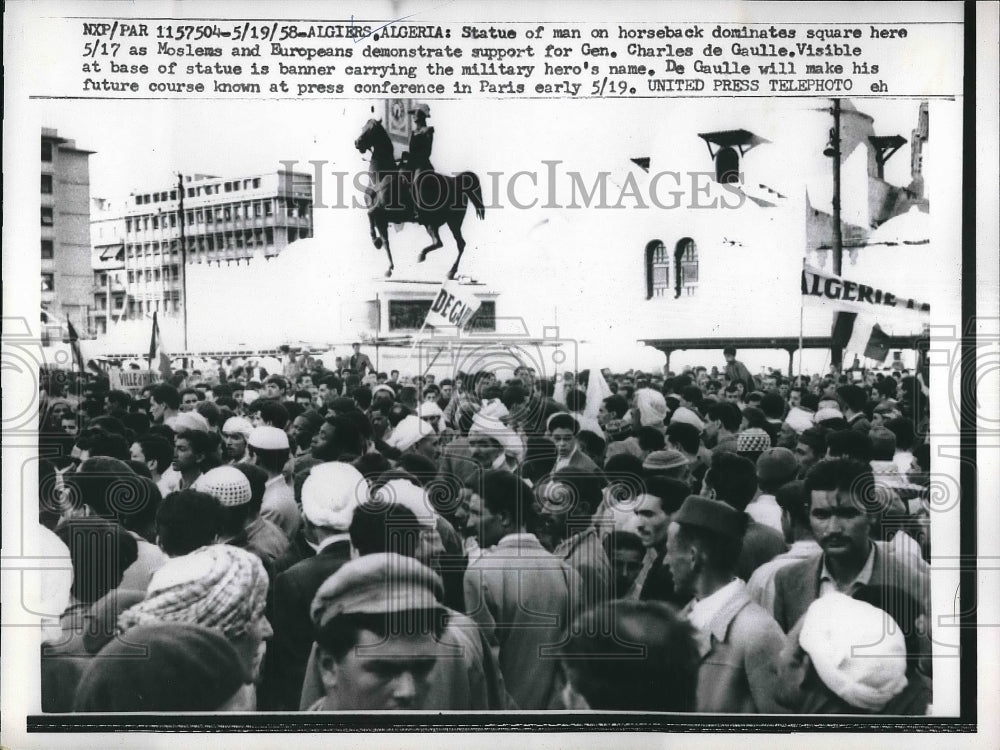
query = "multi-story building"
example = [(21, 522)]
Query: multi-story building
[(107, 237), (65, 234), (218, 220)]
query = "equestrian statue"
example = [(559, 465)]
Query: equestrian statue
[(411, 191)]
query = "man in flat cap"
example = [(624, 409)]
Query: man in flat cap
[(739, 641), (378, 622)]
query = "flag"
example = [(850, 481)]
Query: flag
[(453, 306), (597, 391), (860, 334), (156, 352), (74, 344)]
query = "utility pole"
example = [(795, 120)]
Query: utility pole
[(833, 150), (838, 239), (180, 223)]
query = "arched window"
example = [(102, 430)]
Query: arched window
[(727, 166), (685, 266), (657, 269)]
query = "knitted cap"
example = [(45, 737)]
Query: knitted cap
[(752, 440), (663, 460), (857, 650), (227, 484)]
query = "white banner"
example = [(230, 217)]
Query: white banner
[(454, 306), (853, 296)]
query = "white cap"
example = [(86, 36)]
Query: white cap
[(827, 413), (331, 493), (240, 425), (410, 496), (857, 649), (190, 420), (410, 431), (226, 484), (268, 438)]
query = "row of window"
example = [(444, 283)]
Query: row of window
[(208, 243), (660, 262), (171, 303), (228, 212), (101, 302), (153, 274), (196, 190)]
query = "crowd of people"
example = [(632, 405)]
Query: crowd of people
[(351, 540)]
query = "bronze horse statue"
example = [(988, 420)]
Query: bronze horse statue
[(393, 196)]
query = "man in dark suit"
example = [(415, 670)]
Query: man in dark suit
[(359, 363), (842, 515), (330, 495)]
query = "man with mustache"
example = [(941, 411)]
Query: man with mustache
[(844, 507)]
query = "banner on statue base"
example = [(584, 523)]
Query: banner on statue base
[(453, 307)]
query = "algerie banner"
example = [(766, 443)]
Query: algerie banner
[(453, 306), (834, 291)]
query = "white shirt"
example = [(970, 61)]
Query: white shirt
[(766, 511), (827, 584), (703, 611)]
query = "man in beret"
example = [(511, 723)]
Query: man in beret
[(378, 621), (739, 642)]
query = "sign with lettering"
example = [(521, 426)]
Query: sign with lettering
[(825, 288), (453, 306)]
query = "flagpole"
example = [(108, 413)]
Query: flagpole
[(802, 307)]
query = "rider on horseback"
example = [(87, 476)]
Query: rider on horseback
[(415, 164)]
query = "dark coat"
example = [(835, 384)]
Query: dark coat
[(288, 651), (797, 586)]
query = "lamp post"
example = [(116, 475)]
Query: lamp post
[(180, 223)]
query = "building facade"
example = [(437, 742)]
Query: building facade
[(65, 235), (107, 238), (207, 219)]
